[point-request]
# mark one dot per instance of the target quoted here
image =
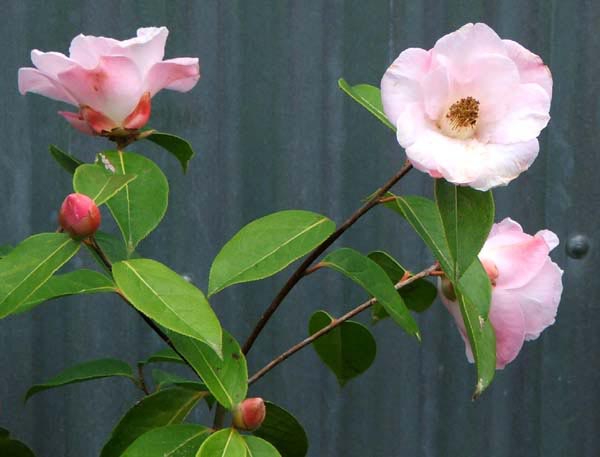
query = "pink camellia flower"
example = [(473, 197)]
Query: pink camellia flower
[(249, 414), (526, 288), (79, 216), (470, 109), (110, 81)]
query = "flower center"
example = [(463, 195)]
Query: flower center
[(460, 121)]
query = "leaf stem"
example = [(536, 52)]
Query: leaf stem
[(314, 255), (335, 323), (141, 380)]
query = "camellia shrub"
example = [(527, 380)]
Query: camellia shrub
[(468, 113)]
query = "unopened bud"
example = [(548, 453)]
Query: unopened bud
[(249, 414), (79, 216)]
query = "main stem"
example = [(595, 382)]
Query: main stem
[(314, 255), (335, 323)]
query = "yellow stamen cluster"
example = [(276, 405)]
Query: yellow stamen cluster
[(463, 113)]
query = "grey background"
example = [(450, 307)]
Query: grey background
[(272, 132)]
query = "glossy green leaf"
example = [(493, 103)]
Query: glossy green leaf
[(467, 217), (140, 205), (12, 448), (224, 443), (67, 161), (74, 283), (27, 267), (283, 431), (257, 447), (98, 183), (164, 355), (423, 215), (87, 371), (181, 440), (371, 277), (418, 296), (369, 97), (113, 247), (226, 378), (163, 379), (348, 350), (5, 250), (266, 246), (168, 299), (165, 407), (474, 293), (180, 148)]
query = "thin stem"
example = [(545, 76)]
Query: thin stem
[(314, 255), (141, 380), (219, 417), (335, 323)]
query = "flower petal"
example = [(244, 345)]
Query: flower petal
[(140, 115), (113, 88), (77, 121), (87, 50), (179, 74), (531, 67), (508, 322), (51, 63), (33, 80), (549, 237), (146, 49)]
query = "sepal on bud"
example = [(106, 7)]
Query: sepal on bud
[(79, 216), (249, 414)]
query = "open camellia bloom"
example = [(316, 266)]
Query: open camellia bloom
[(110, 81), (526, 288), (470, 109)]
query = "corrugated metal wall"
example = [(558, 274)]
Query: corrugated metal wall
[(272, 131)]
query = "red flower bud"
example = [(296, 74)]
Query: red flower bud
[(249, 414), (79, 216)]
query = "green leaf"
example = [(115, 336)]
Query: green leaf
[(13, 448), (371, 277), (266, 246), (113, 247), (167, 298), (98, 183), (467, 217), (140, 205), (87, 371), (73, 283), (164, 379), (180, 148), (423, 215), (226, 378), (348, 350), (164, 355), (418, 296), (5, 250), (224, 443), (165, 407), (67, 161), (27, 268), (369, 97), (181, 440), (283, 431), (257, 447), (474, 294)]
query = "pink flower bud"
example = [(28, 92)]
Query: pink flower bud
[(79, 216), (249, 414)]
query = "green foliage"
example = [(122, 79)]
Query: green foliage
[(227, 377), (141, 204), (283, 431), (181, 440), (5, 249), (257, 447), (67, 161), (98, 183), (369, 97), (87, 371), (348, 350), (168, 299), (113, 247), (266, 246), (74, 283), (12, 448), (30, 265), (371, 277), (180, 148), (166, 407), (467, 217), (164, 355), (418, 296), (224, 443)]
